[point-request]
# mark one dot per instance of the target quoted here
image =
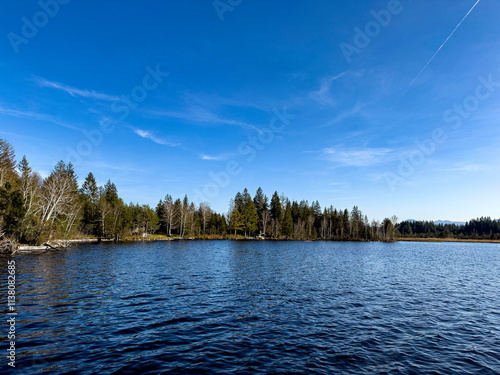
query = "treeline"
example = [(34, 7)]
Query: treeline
[(34, 210), (480, 228), (280, 217), (184, 219)]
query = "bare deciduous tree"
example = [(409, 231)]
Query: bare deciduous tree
[(205, 212), (169, 212), (59, 193), (265, 221)]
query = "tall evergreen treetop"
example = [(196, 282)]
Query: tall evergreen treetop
[(276, 209), (7, 163)]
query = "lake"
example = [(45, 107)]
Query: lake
[(226, 307)]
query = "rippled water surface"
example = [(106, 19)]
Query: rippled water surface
[(221, 307)]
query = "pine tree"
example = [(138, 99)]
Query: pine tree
[(288, 220), (12, 211), (114, 208), (90, 197), (261, 205), (162, 217), (250, 218), (344, 225), (177, 221), (7, 163), (186, 215), (235, 215), (276, 214), (29, 186)]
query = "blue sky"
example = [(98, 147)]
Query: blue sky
[(352, 103)]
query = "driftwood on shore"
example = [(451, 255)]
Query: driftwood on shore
[(58, 244)]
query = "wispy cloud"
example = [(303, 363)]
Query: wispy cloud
[(217, 157), (466, 167), (36, 116), (357, 157), (148, 135), (200, 115), (103, 167), (323, 95), (342, 116), (90, 94), (215, 101)]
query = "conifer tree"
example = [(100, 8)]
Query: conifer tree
[(276, 213), (250, 218), (235, 215), (90, 197), (288, 220), (7, 163)]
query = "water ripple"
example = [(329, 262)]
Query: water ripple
[(261, 307)]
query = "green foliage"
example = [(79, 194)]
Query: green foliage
[(7, 164), (12, 211), (276, 209), (388, 229), (33, 210), (480, 228), (276, 215), (90, 199), (288, 221), (250, 217), (235, 214)]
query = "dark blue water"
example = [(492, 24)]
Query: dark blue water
[(225, 307)]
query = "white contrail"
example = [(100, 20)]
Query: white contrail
[(439, 49)]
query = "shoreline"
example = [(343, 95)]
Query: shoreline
[(62, 244)]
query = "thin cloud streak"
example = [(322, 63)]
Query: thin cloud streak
[(148, 135), (216, 157), (37, 116), (342, 116), (202, 116), (323, 94), (91, 94), (439, 49), (466, 167), (357, 157)]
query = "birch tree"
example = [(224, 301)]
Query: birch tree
[(265, 221), (169, 212), (205, 213)]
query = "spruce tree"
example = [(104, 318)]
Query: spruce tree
[(288, 220), (90, 197), (7, 163), (250, 218), (276, 213)]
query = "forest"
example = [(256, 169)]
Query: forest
[(34, 210), (480, 228)]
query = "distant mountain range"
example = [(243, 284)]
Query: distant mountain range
[(443, 222), (449, 222)]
